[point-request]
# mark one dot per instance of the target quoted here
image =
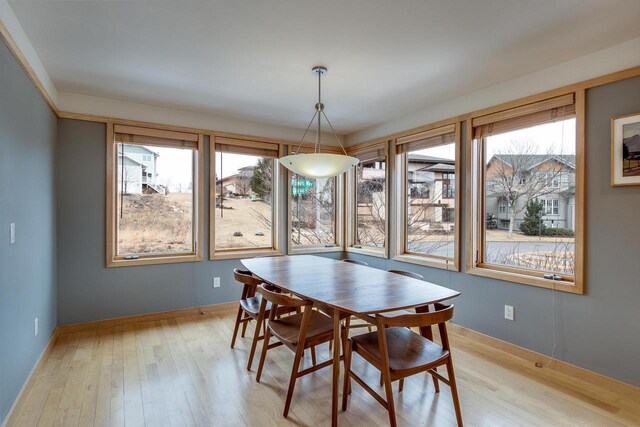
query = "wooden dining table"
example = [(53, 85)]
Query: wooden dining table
[(347, 289)]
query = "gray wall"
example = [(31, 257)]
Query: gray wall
[(588, 327), (599, 331), (89, 291), (27, 198)]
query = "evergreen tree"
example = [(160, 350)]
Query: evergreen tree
[(262, 178), (533, 224)]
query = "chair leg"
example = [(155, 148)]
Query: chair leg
[(313, 355), (454, 391), (294, 377), (254, 344), (235, 327), (401, 386), (244, 327), (330, 346), (263, 355), (390, 405), (347, 375), (436, 383)]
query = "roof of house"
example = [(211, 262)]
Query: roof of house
[(420, 158), (142, 147), (533, 160), (439, 167), (129, 159)]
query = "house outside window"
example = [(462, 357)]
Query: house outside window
[(519, 156), (154, 203), (243, 198)]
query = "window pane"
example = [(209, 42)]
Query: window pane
[(530, 198), (244, 197), (313, 211), (371, 203), (431, 183), (155, 200)]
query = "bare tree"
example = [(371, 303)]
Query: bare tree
[(519, 174), (370, 199), (243, 186), (314, 215)]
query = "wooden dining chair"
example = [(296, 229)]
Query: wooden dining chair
[(249, 302), (355, 261), (399, 353), (297, 332)]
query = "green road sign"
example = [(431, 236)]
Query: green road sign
[(301, 187)]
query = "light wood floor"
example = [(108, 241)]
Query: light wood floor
[(182, 372)]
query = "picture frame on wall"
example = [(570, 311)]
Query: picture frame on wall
[(625, 150)]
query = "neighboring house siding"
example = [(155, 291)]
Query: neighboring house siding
[(130, 181), (562, 174)]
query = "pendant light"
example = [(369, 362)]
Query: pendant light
[(317, 164)]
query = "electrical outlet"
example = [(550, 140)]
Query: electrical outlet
[(216, 282), (13, 233), (508, 312), (35, 327)]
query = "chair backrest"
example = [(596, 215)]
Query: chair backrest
[(440, 316), (408, 274), (355, 261), (249, 281), (280, 300)]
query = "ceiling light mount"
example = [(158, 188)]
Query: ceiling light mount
[(319, 70), (319, 165)]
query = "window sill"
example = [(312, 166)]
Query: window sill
[(153, 260), (375, 252), (428, 261), (526, 279), (245, 253), (314, 250)]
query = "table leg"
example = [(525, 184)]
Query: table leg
[(337, 338)]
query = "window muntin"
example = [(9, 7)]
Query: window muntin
[(370, 203), (429, 208), (313, 211), (244, 198), (528, 183)]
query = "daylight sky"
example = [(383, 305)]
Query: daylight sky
[(550, 138)]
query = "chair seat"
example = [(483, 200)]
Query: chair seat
[(407, 350), (252, 305), (288, 328)]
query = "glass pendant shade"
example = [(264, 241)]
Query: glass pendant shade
[(318, 165)]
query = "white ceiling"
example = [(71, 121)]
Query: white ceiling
[(252, 58)]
